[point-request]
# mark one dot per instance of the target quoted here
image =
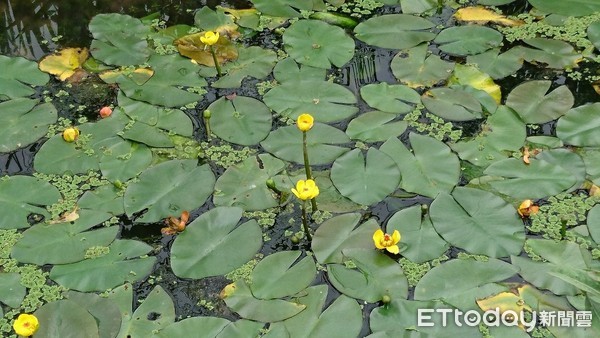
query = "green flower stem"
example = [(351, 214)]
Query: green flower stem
[(206, 116), (305, 222), (307, 168), (217, 65)]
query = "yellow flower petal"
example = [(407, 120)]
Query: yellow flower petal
[(296, 192), (210, 38), (393, 249), (70, 134), (26, 325), (305, 122), (378, 238), (396, 236)]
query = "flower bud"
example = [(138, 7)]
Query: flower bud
[(105, 112), (305, 122), (210, 38), (70, 134), (206, 114)]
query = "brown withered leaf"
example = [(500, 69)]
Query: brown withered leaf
[(191, 47), (64, 63)]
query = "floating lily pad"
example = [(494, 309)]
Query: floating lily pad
[(23, 122), (168, 189), (244, 185), (18, 74), (568, 160), (468, 40), (63, 317), (395, 31), (569, 8), (241, 120), (21, 196), (324, 144), (375, 126), (276, 277), (253, 62), (105, 312), (398, 99), (591, 159), (170, 120), (365, 180), (552, 53), (122, 160), (64, 63), (498, 65), (119, 39), (452, 104), (531, 102), (479, 222), (192, 47), (283, 8), (121, 264), (594, 34), (430, 169), (418, 69), (106, 198), (225, 246), (212, 327), (579, 125), (318, 44), (12, 292), (474, 78), (287, 70)]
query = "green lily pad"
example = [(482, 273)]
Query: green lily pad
[(323, 143), (430, 169), (283, 8), (212, 327), (531, 102), (375, 276), (568, 160), (168, 189), (591, 158), (122, 160), (340, 233), (365, 180), (453, 272), (395, 31), (420, 242), (593, 32), (397, 99), (253, 62), (149, 135), (23, 122), (553, 53), (479, 222), (375, 126), (241, 120), (119, 39), (12, 292), (329, 198), (106, 198), (208, 19), (452, 103), (18, 75), (578, 126), (287, 70), (244, 185), (62, 318), (498, 65), (416, 6), (118, 266), (318, 44), (21, 196), (276, 277), (105, 312), (468, 40), (418, 69), (569, 8), (225, 246)]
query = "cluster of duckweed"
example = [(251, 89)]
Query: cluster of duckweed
[(224, 155), (244, 271), (58, 127), (572, 30), (185, 148), (415, 271), (265, 86), (562, 212), (264, 218), (96, 252), (210, 306), (529, 251), (71, 187), (357, 8), (432, 125), (159, 47), (466, 256), (321, 216)]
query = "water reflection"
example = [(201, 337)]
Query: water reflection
[(29, 26)]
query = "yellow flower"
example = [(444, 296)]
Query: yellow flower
[(210, 38), (306, 190), (26, 325), (305, 122), (386, 241), (527, 208), (70, 134)]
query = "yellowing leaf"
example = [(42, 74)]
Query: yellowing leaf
[(470, 75), (64, 63), (482, 16), (67, 216), (192, 47), (139, 75), (504, 301)]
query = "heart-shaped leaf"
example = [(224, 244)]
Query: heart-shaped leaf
[(23, 122), (569, 8), (12, 292), (21, 196), (418, 69), (283, 8), (468, 40), (375, 126), (395, 31), (531, 102), (579, 125), (453, 104), (119, 39), (275, 277), (253, 62), (17, 75), (396, 99), (63, 317), (241, 120), (498, 65)]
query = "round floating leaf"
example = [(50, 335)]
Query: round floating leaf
[(105, 312), (568, 160), (568, 8), (365, 181), (430, 169), (554, 53), (468, 40), (283, 8), (287, 70), (417, 69), (375, 126), (535, 180), (119, 39), (593, 223), (420, 242), (192, 47), (12, 292), (168, 189), (118, 266), (252, 61), (106, 198), (323, 142), (433, 284), (452, 104), (375, 276), (240, 299), (18, 74), (64, 63), (23, 122), (21, 196), (203, 327), (395, 31), (170, 120), (479, 222), (339, 233), (318, 44), (329, 198), (326, 101), (390, 98), (275, 277), (122, 160), (224, 245), (474, 78), (579, 126), (531, 102), (242, 120), (498, 65), (244, 185), (65, 318)]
